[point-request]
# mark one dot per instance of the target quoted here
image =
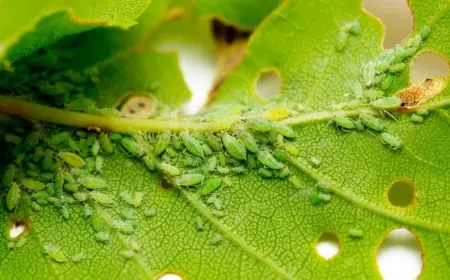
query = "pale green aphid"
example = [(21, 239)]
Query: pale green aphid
[(223, 170), (341, 41), (227, 182), (128, 254), (137, 199), (149, 163), (372, 122), (38, 153), (127, 198), (95, 148), (315, 161), (388, 103), (267, 159), (8, 176), (285, 130), (387, 81), (127, 214), (40, 195), (55, 253), (323, 187), (176, 143), (354, 103), (78, 257), (238, 169), (35, 206), (324, 197), (13, 196), (99, 163), (391, 141), (123, 227), (410, 52), (72, 159), (132, 146), (234, 147), (87, 210), (368, 73), (338, 106), (105, 143), (211, 163), (68, 178), (12, 138), (79, 172), (192, 144), (356, 232), (217, 239), (149, 213), (218, 213), (355, 28), (101, 198), (344, 122), (213, 142), (200, 224), (90, 165), (210, 185), (46, 177), (102, 236), (259, 125), (71, 187), (162, 142), (32, 184), (358, 125), (415, 118), (425, 32), (374, 94), (96, 220), (399, 67), (135, 246), (170, 169), (422, 112), (284, 172), (115, 136), (265, 172), (65, 212), (222, 160), (249, 141), (251, 161), (207, 150), (399, 52), (92, 183), (190, 180), (295, 181), (80, 196)]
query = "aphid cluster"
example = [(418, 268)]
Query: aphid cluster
[(348, 29), (321, 194)]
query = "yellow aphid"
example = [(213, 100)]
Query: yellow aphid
[(276, 114), (421, 92)]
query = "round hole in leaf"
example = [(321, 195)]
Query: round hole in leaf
[(139, 106), (327, 246), (399, 255), (170, 276), (428, 65), (268, 83), (401, 193), (17, 229)]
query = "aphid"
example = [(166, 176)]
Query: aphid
[(123, 227), (190, 180), (192, 144), (267, 159), (372, 122), (101, 198), (251, 161), (227, 182), (102, 236), (127, 198), (13, 196), (128, 254), (72, 159), (79, 172), (315, 161), (414, 42), (176, 143), (65, 212), (210, 185), (92, 183), (80, 196), (249, 141), (344, 122), (285, 130), (213, 142), (355, 28), (222, 160), (295, 181), (211, 163), (135, 246), (276, 114), (12, 138), (162, 143), (238, 169), (415, 118), (399, 67), (47, 176), (368, 73), (87, 210), (99, 163), (96, 220), (71, 187), (78, 257), (217, 239), (265, 172), (35, 206), (115, 136), (356, 232), (40, 195), (234, 147), (33, 184), (391, 141), (127, 214), (359, 125), (425, 32), (314, 196), (199, 137), (60, 137), (137, 199), (8, 176), (21, 242), (292, 149), (410, 52), (341, 41), (95, 148), (200, 224), (170, 169), (259, 125), (388, 103), (387, 81), (55, 253), (284, 172), (223, 170), (323, 187), (324, 197), (207, 150), (132, 146), (47, 159), (422, 112), (105, 143), (149, 213), (399, 52), (218, 213)]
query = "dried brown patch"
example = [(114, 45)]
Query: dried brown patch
[(421, 92)]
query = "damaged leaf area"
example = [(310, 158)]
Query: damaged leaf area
[(103, 177)]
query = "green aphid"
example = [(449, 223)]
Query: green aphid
[(72, 159), (135, 246), (234, 147), (92, 183), (13, 139), (32, 184), (50, 188), (96, 219), (356, 232), (102, 236), (344, 122), (137, 199), (18, 160), (387, 81), (222, 160), (149, 213), (65, 212), (99, 163), (101, 198), (83, 147), (176, 143), (73, 145), (399, 52), (218, 213), (21, 242), (80, 196), (87, 210), (359, 125), (261, 138), (42, 201), (46, 177), (267, 159), (105, 143), (314, 196), (199, 137), (123, 227), (323, 187), (132, 146), (410, 52), (95, 148), (81, 133), (414, 42), (425, 32), (13, 196), (54, 253), (279, 155), (71, 187), (128, 254), (315, 161), (355, 29), (115, 136), (223, 170), (217, 203), (341, 41), (378, 79), (399, 67), (415, 118), (170, 169), (8, 176), (217, 239), (259, 125), (127, 198), (78, 257), (422, 112), (127, 214), (31, 141), (149, 163), (210, 185), (38, 154), (285, 130), (192, 144), (196, 162), (284, 172), (162, 143), (36, 207), (47, 160), (207, 150), (211, 163), (387, 103), (90, 164), (227, 181), (324, 197), (79, 172), (200, 224), (249, 141), (251, 161), (292, 149), (40, 195), (238, 169), (374, 94), (213, 142), (60, 137), (32, 173), (368, 73), (372, 122), (190, 180), (265, 172), (171, 152), (31, 166), (391, 141)]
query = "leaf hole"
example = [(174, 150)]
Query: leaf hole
[(399, 255), (327, 246), (268, 83), (170, 276), (428, 65), (139, 106), (401, 193), (17, 229), (396, 16)]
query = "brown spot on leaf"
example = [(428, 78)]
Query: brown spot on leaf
[(421, 92)]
